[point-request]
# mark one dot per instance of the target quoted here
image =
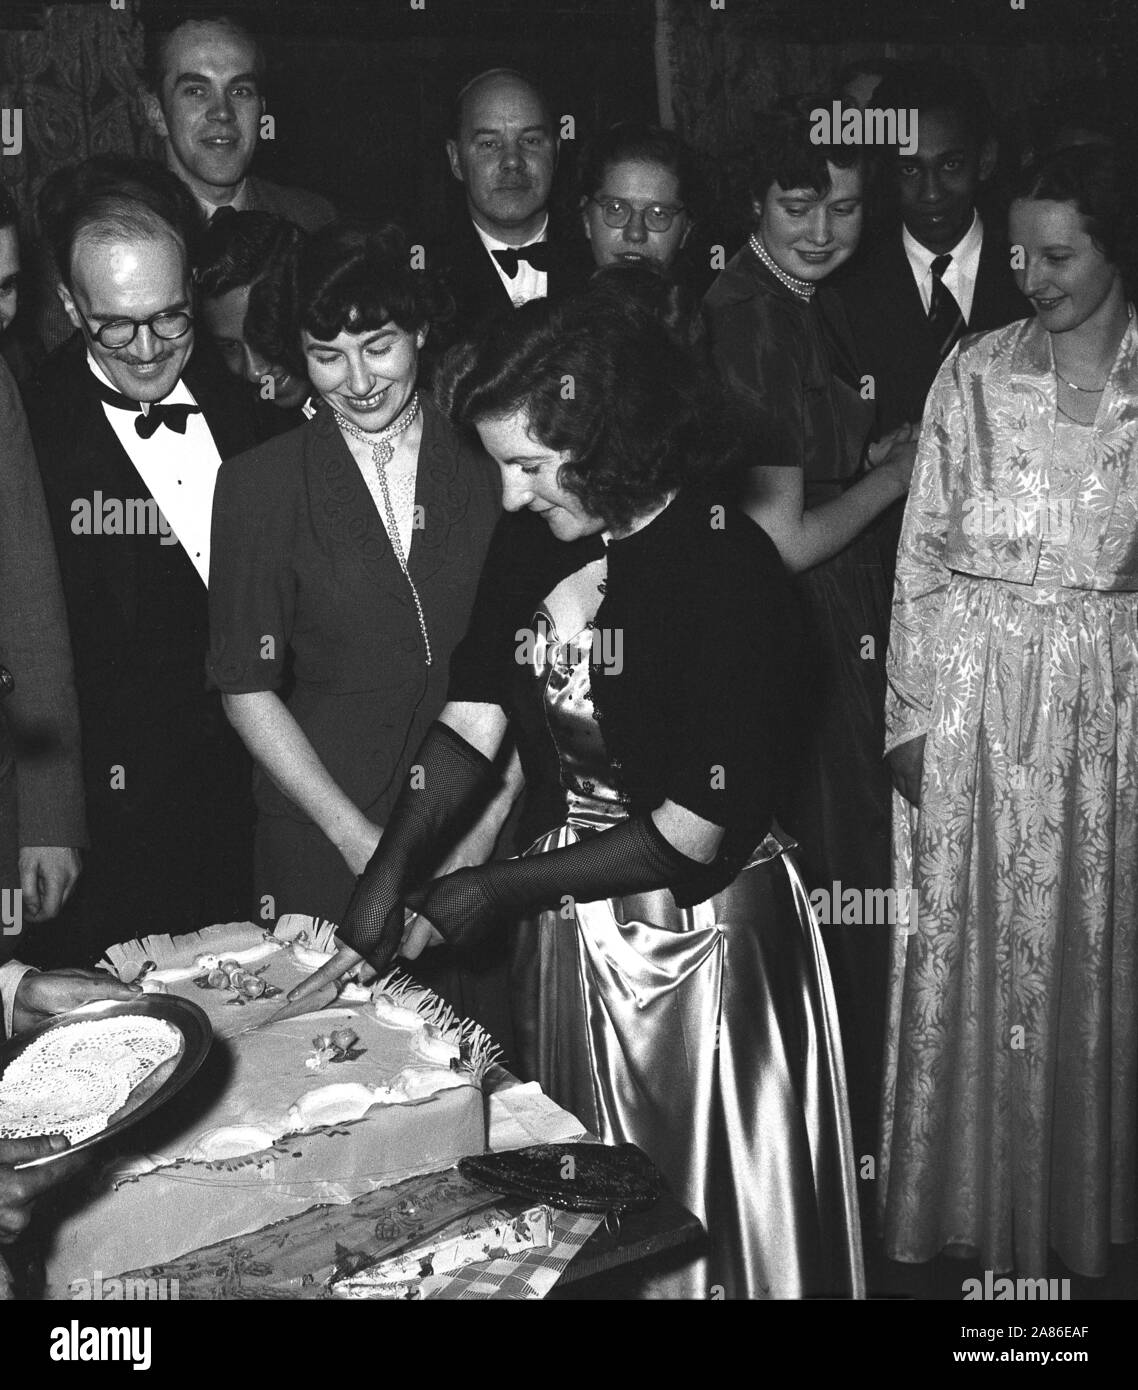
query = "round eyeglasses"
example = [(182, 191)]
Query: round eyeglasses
[(120, 333), (617, 212)]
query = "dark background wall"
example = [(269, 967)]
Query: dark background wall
[(361, 89), (362, 92)]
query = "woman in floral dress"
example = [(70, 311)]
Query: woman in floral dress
[(1012, 725)]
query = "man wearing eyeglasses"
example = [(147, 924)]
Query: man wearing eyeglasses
[(130, 430), (506, 249)]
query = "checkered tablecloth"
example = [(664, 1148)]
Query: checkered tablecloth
[(529, 1275)]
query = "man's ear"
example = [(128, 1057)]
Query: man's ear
[(69, 305), (155, 119), (422, 335), (989, 153), (452, 155)]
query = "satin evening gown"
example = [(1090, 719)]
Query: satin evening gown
[(707, 1035)]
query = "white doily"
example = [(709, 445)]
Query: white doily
[(74, 1078)]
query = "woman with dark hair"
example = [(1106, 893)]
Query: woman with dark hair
[(243, 276), (347, 555), (1013, 685), (780, 340), (638, 191), (681, 1001)]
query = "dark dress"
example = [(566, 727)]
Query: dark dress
[(697, 1022), (305, 589), (791, 362)]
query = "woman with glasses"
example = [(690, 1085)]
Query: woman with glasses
[(780, 340), (346, 558), (637, 184)]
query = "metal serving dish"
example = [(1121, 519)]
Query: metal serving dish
[(164, 1082)]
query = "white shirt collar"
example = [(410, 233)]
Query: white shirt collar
[(239, 203), (966, 249), (960, 277), (492, 243)]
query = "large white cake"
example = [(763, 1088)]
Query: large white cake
[(278, 1120)]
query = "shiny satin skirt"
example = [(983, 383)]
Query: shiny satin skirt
[(708, 1036)]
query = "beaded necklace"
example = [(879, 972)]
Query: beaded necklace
[(382, 452), (802, 288)]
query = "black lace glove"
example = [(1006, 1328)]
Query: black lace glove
[(411, 844), (630, 858)]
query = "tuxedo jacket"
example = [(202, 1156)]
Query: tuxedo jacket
[(895, 343), (472, 277), (136, 607)]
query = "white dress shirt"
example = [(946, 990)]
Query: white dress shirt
[(960, 277), (179, 470), (528, 283)]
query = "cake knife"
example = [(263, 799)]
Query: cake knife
[(312, 1003)]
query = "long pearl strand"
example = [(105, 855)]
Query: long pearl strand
[(382, 452)]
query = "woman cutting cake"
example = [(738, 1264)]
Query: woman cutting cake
[(347, 554), (684, 1003)]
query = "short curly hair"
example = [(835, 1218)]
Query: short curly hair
[(639, 142), (604, 381), (784, 153), (353, 277)]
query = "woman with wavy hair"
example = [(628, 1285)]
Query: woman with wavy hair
[(679, 998)]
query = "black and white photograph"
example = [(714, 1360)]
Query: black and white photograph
[(569, 669)]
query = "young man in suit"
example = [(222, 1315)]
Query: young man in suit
[(506, 249), (939, 269), (204, 99), (129, 433)]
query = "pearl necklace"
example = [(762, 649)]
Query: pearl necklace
[(382, 452), (802, 288)]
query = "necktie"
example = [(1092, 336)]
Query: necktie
[(221, 214), (174, 417), (538, 255), (944, 312)]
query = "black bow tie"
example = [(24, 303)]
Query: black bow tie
[(538, 256), (174, 417)]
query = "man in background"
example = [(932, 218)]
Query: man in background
[(205, 99), (938, 269), (506, 249)]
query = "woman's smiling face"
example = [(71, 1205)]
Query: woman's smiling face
[(809, 234), (368, 377), (530, 477)]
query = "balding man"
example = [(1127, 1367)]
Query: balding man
[(503, 151), (204, 99), (129, 433)]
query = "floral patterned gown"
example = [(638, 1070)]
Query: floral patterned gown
[(1009, 1107)]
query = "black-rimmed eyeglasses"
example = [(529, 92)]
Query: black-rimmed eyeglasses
[(120, 333), (617, 212)]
